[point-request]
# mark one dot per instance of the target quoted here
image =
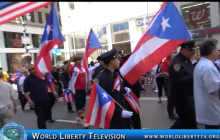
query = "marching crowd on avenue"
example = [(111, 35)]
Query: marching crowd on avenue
[(190, 79)]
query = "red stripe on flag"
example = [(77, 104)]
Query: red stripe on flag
[(25, 12), (91, 103), (17, 8), (154, 58), (108, 117)]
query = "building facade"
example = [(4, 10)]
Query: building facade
[(117, 24), (201, 18), (11, 34)]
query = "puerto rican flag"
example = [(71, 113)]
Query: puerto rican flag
[(16, 76), (11, 10), (133, 101), (116, 85), (165, 32), (68, 96), (92, 45), (101, 108), (51, 37), (49, 81)]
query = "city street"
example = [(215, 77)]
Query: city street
[(153, 115)]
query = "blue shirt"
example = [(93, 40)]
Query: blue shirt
[(206, 81)]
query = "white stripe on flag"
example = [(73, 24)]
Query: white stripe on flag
[(14, 6), (42, 66), (116, 84), (104, 111), (70, 97), (94, 111), (145, 50), (17, 12)]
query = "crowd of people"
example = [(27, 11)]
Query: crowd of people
[(191, 84)]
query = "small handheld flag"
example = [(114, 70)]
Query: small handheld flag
[(101, 108), (68, 96), (16, 76)]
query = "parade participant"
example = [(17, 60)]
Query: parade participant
[(5, 75), (35, 91), (7, 102), (78, 86), (206, 87), (91, 68), (64, 78), (98, 69), (181, 86), (136, 89), (107, 80), (51, 93), (21, 96), (164, 81)]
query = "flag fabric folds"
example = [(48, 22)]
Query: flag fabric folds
[(12, 10), (51, 37), (165, 32), (16, 76), (116, 85), (68, 96), (133, 101), (101, 108), (92, 45)]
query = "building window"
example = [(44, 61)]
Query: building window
[(120, 32), (46, 15), (32, 17), (36, 39), (40, 17), (190, 15), (102, 35), (79, 39), (58, 6)]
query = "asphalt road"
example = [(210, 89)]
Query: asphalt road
[(153, 115)]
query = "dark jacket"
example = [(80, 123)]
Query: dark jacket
[(117, 121)]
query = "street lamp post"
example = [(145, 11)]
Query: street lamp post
[(22, 21)]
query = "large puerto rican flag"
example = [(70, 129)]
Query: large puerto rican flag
[(101, 108), (11, 10), (165, 32), (51, 37), (92, 45)]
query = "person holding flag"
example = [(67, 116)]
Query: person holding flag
[(78, 85), (115, 88)]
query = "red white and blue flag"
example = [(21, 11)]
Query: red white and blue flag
[(51, 37), (92, 45), (68, 96), (165, 32), (101, 108), (49, 81), (16, 76), (12, 10), (116, 85), (133, 101)]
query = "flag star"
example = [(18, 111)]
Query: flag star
[(165, 23), (49, 28), (104, 95)]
